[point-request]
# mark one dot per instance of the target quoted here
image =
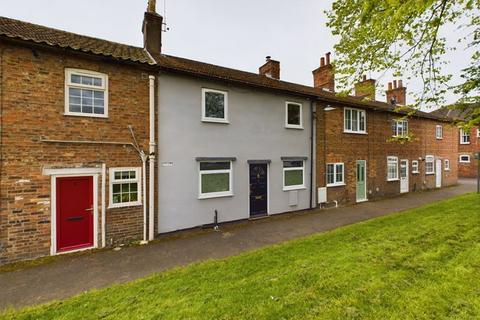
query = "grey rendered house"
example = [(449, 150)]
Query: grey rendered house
[(229, 151)]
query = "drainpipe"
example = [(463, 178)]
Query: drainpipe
[(144, 158), (104, 226), (151, 158), (312, 144)]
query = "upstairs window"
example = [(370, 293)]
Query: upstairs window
[(415, 166), (354, 121), (335, 174), (400, 128), (86, 93), (293, 118), (125, 187), (439, 132), (392, 168), (214, 106), (429, 165), (293, 174), (215, 179), (464, 137)]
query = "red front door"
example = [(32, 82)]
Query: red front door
[(74, 213)]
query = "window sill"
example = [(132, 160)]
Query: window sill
[(294, 127), (464, 142), (447, 169), (429, 173), (336, 185), (217, 195), (465, 162), (355, 132), (213, 120), (293, 188), (415, 172), (124, 205), (86, 115), (393, 180), (439, 138)]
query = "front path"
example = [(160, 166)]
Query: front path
[(72, 275)]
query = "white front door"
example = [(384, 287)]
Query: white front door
[(438, 173), (403, 176)]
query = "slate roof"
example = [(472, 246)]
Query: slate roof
[(15, 29)]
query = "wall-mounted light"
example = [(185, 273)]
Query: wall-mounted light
[(329, 108)]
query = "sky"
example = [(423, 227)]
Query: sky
[(235, 34)]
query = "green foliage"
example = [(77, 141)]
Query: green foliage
[(404, 36), (419, 264)]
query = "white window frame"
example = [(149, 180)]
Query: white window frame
[(293, 126), (478, 133), (335, 183), (68, 84), (428, 159), (358, 131), (463, 134), (439, 129), (112, 181), (447, 165), (225, 104), (405, 132), (415, 168), (390, 160), (297, 186), (464, 161), (210, 195)]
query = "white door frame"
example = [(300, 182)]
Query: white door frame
[(404, 183), (365, 198), (71, 172), (438, 173)]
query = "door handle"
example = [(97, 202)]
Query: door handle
[(89, 209), (258, 198)]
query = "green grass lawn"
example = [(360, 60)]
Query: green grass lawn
[(420, 264)]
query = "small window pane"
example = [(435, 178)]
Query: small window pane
[(133, 187), (214, 105), (133, 196), (293, 177), (214, 166), (125, 187), (215, 182), (292, 164), (293, 114), (116, 198), (97, 82), (75, 108), (116, 188)]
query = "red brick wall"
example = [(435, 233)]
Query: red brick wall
[(375, 148), (469, 170), (33, 107)]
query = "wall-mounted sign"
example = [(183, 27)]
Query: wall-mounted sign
[(167, 164)]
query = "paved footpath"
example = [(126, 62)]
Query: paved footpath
[(71, 275)]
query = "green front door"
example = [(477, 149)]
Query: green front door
[(361, 181)]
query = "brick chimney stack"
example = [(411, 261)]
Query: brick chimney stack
[(271, 68), (396, 93), (365, 88), (324, 76), (152, 29)]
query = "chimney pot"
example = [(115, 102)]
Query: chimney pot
[(396, 93), (152, 6), (324, 77), (268, 58), (364, 78)]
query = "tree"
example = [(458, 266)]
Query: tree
[(405, 36)]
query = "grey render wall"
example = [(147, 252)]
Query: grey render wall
[(256, 132)]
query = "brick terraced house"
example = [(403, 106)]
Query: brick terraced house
[(104, 143), (468, 142)]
